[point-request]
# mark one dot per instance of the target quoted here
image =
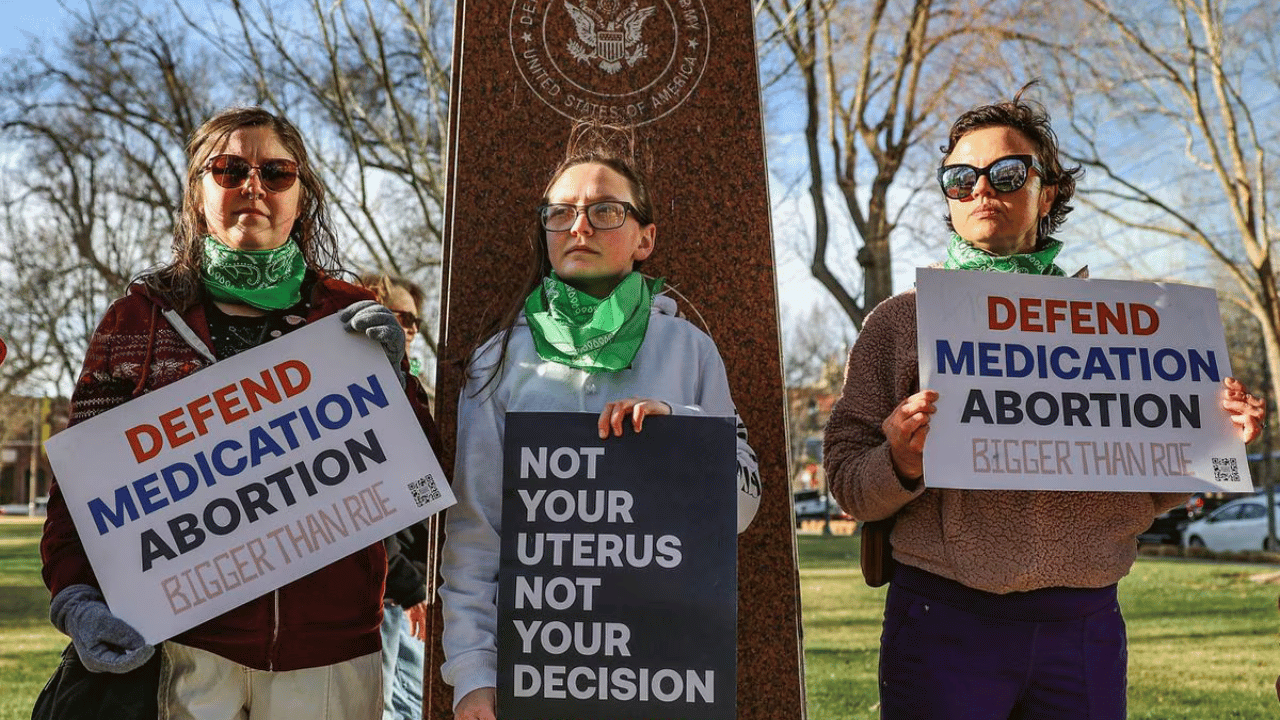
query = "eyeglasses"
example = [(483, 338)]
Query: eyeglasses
[(231, 171), (407, 320), (603, 215), (1006, 175)]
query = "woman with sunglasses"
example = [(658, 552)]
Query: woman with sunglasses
[(1002, 604), (587, 332), (254, 258), (405, 601)]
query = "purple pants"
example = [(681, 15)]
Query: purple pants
[(950, 652)]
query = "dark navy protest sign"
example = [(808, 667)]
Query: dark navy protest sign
[(617, 589)]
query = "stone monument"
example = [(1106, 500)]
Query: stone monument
[(684, 73)]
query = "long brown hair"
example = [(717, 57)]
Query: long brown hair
[(617, 148), (179, 281)]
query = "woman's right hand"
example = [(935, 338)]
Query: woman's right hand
[(905, 429), (479, 704)]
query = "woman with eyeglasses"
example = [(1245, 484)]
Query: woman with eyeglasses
[(1002, 604), (587, 332), (253, 258)]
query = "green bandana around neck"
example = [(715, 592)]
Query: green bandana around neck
[(573, 328), (266, 279), (963, 256)]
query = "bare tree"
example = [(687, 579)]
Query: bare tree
[(370, 78), (95, 124), (1199, 78), (814, 347), (882, 79)]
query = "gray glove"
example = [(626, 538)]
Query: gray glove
[(104, 642), (379, 323)]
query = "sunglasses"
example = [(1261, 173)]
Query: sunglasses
[(1006, 175), (232, 171), (407, 320)]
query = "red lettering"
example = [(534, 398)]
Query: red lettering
[(293, 387), (227, 405), (1029, 308), (1143, 319), (135, 436), (198, 415), (1085, 317), (1081, 316), (1055, 312), (996, 306), (1113, 318), (253, 391), (174, 427)]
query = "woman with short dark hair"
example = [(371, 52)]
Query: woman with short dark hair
[(1002, 603)]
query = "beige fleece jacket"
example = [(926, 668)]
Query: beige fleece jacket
[(999, 541)]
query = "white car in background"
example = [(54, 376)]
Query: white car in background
[(1238, 525)]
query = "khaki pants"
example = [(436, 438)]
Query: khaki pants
[(203, 686)]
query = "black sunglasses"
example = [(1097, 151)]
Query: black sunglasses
[(1006, 175), (231, 171), (407, 320)]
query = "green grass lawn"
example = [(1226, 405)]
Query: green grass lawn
[(1203, 638), (29, 646)]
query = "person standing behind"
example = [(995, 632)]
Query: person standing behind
[(405, 606), (586, 333), (253, 258), (1003, 603)]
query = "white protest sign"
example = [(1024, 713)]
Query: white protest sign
[(1051, 383), (260, 469)]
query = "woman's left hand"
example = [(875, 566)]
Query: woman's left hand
[(615, 413), (1247, 412), (380, 324)]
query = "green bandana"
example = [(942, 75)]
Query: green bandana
[(572, 328), (265, 279), (963, 256)]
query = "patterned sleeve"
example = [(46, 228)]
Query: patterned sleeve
[(101, 385)]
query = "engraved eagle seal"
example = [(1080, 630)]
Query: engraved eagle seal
[(608, 34)]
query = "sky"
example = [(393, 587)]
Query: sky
[(20, 19)]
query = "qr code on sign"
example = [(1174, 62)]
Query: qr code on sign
[(424, 490), (1225, 470)]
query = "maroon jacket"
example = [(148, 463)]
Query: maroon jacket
[(329, 616)]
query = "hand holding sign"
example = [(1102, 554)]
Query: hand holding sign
[(614, 413), (906, 429), (1249, 413)]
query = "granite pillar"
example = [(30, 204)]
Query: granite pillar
[(684, 72)]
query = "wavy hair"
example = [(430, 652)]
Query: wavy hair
[(179, 281), (1032, 120)]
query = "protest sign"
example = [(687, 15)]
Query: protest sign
[(257, 470), (617, 588), (1051, 383)]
